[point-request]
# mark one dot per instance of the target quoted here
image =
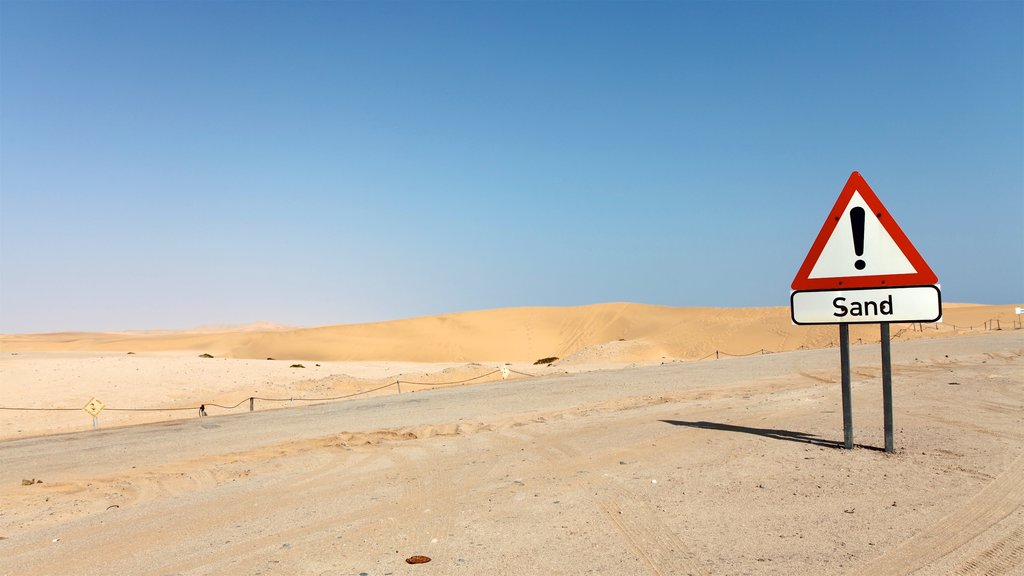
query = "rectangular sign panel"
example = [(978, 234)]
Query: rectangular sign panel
[(867, 305)]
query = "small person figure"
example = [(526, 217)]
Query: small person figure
[(202, 410)]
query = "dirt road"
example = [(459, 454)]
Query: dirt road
[(727, 467)]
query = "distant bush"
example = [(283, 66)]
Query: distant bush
[(206, 356), (297, 366), (547, 360)]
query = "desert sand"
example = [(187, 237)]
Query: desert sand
[(519, 335), (650, 447), (136, 374)]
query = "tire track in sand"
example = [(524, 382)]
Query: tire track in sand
[(658, 547), (998, 559), (999, 499)]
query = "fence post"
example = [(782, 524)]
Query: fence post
[(252, 402), (399, 384)]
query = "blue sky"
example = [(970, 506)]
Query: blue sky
[(174, 164)]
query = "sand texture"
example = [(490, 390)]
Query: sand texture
[(613, 461), (160, 375), (519, 335)]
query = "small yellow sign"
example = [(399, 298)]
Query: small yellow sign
[(94, 407)]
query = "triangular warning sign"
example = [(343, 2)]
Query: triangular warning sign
[(861, 246)]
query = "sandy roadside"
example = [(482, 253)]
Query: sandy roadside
[(704, 468), (45, 392), (166, 375)]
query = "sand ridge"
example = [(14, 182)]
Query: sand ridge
[(647, 333), (162, 373)]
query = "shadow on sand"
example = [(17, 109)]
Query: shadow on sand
[(788, 435)]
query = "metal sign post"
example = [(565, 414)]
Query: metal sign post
[(886, 385), (844, 369)]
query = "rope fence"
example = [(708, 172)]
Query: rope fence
[(992, 324), (718, 354), (252, 399), (446, 383), (325, 399)]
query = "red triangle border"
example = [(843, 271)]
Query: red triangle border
[(856, 183)]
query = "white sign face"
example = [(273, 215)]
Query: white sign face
[(867, 305), (1020, 310), (860, 247)]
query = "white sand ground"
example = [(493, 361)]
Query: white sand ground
[(713, 467)]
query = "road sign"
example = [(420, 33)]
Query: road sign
[(862, 269), (861, 246), (867, 305), (94, 407)]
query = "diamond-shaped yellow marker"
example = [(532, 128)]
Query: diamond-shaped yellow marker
[(94, 407)]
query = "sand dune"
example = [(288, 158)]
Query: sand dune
[(615, 332)]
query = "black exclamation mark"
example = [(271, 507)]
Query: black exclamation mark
[(857, 222)]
